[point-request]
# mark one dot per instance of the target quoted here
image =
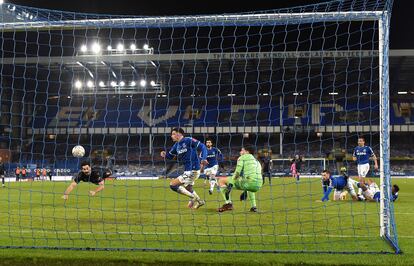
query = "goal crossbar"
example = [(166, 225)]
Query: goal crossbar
[(265, 19)]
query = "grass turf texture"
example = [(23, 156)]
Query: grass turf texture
[(146, 214)]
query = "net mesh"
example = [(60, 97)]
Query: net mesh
[(300, 81)]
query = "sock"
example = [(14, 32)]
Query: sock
[(226, 194), (297, 177), (212, 183), (196, 197), (252, 197), (184, 191), (190, 189)]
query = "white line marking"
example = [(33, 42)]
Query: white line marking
[(193, 234)]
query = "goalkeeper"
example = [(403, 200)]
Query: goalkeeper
[(246, 177)]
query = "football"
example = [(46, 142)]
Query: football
[(78, 151)]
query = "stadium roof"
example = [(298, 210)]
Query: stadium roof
[(239, 74)]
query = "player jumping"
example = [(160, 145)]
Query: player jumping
[(185, 149)]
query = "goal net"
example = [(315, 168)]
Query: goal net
[(305, 81)]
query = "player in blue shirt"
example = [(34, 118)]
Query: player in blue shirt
[(185, 150), (339, 183), (362, 155), (214, 157)]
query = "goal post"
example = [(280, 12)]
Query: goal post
[(388, 228)]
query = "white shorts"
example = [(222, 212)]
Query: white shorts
[(338, 193), (370, 192), (363, 169), (211, 170), (349, 187), (188, 177)]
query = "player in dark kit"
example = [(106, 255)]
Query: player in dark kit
[(2, 172), (265, 161), (88, 175), (50, 174)]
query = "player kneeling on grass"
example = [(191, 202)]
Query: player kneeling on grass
[(339, 183), (88, 175), (246, 177)]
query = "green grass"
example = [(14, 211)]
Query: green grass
[(147, 214)]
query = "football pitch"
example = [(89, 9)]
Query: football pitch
[(147, 215)]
